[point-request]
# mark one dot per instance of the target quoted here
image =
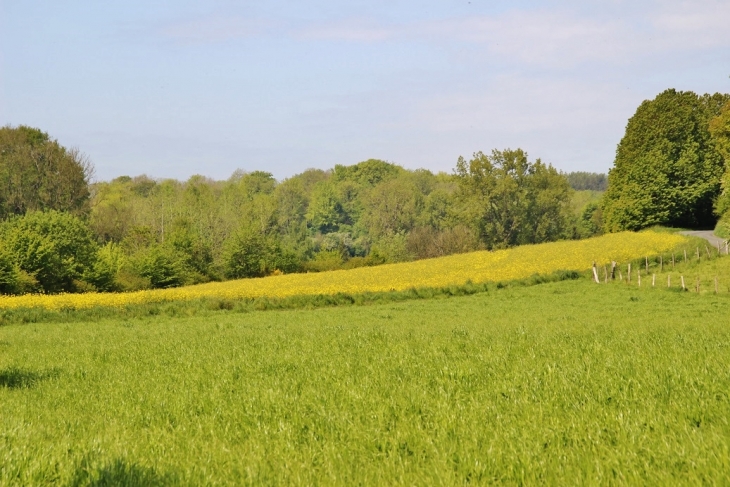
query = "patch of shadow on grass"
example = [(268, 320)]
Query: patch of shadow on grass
[(15, 378), (123, 474)]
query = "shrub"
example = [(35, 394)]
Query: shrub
[(162, 267), (52, 248)]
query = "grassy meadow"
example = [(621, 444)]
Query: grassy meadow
[(562, 383)]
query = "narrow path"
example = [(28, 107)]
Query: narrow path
[(707, 235)]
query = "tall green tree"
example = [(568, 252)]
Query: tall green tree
[(37, 173), (667, 169), (512, 201)]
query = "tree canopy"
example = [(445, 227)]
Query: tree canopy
[(720, 130), (667, 169), (37, 173), (512, 201)]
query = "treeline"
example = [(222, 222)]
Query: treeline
[(137, 233)]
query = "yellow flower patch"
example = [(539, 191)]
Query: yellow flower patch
[(484, 266)]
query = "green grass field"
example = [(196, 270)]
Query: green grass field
[(562, 383)]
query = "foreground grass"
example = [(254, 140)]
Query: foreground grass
[(566, 382)]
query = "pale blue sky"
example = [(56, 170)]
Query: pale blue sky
[(176, 88)]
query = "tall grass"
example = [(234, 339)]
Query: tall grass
[(563, 383)]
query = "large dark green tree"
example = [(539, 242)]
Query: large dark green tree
[(37, 173), (667, 169)]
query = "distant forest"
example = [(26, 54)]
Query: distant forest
[(61, 232), (582, 181)]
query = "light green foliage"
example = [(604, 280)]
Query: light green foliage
[(367, 173), (245, 254), (720, 131), (248, 253), (55, 249), (325, 212), (392, 207), (8, 272), (104, 274), (391, 248), (512, 201), (559, 384), (161, 266), (723, 226), (192, 229), (667, 170)]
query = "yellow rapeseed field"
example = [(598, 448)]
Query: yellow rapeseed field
[(501, 265)]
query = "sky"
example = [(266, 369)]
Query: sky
[(176, 88)]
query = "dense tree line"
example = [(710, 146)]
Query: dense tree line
[(138, 232)]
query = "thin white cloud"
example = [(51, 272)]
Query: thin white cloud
[(555, 38)]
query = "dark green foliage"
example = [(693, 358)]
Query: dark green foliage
[(55, 248), (580, 181), (512, 201), (667, 169), (590, 222), (37, 173)]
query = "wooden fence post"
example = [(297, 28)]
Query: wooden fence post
[(661, 263), (628, 273), (595, 273), (685, 256), (672, 260), (653, 280), (681, 278), (669, 280), (613, 270), (638, 277), (646, 260), (708, 252)]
